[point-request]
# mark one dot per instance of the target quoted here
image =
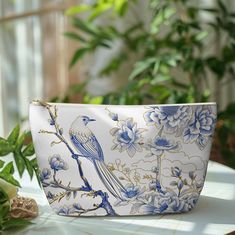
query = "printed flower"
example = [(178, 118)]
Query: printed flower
[(171, 117), (49, 195), (155, 185), (165, 203), (77, 207), (154, 203), (161, 144), (201, 127), (65, 210), (127, 137), (113, 116), (184, 203), (176, 172), (192, 175), (45, 174), (130, 195), (57, 163), (132, 192)]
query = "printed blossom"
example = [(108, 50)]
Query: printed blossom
[(57, 163), (176, 172), (45, 174), (200, 128), (167, 202), (65, 210), (130, 195), (132, 192), (171, 117), (70, 209), (161, 144), (49, 195), (127, 137)]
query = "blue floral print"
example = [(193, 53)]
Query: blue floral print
[(127, 137), (161, 144), (170, 117), (173, 126), (200, 128), (57, 163)]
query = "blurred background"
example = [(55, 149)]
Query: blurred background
[(119, 52)]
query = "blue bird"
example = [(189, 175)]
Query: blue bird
[(86, 143)]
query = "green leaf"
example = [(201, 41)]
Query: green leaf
[(8, 169), (121, 6), (114, 64), (20, 163), (12, 138), (223, 134), (29, 150), (13, 223), (217, 66), (78, 55), (1, 163), (222, 7), (20, 141), (34, 164), (100, 9), (7, 174), (29, 167), (86, 27), (3, 197), (231, 108), (74, 36), (4, 209), (160, 78), (5, 147), (200, 36), (96, 100), (78, 9), (141, 66), (228, 156), (156, 67), (10, 179), (211, 10)]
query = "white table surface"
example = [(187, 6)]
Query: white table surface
[(214, 213)]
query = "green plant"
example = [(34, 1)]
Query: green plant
[(172, 40), (172, 66), (21, 147), (226, 134)]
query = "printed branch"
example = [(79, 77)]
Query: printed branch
[(105, 204)]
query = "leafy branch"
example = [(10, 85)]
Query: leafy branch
[(21, 147)]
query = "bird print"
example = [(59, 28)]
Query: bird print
[(87, 144)]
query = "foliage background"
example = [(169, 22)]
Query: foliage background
[(179, 54)]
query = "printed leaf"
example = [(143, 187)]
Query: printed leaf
[(173, 183)]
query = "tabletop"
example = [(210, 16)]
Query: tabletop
[(214, 213)]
